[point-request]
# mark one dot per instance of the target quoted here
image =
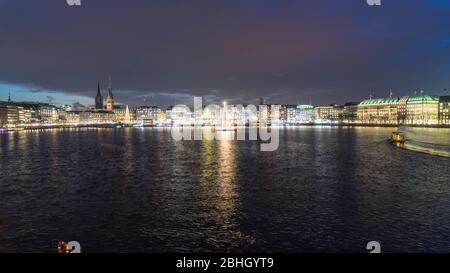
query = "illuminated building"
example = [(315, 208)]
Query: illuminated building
[(144, 114), (328, 114), (408, 110), (350, 113), (93, 117), (444, 110), (305, 114), (48, 114), (240, 115), (98, 99), (198, 110), (402, 109), (150, 115), (124, 114), (282, 113), (13, 115), (26, 116), (277, 113), (263, 113), (211, 115), (110, 98), (422, 110), (379, 111), (267, 114), (245, 115), (3, 116), (72, 117), (291, 114), (179, 115), (17, 115), (10, 115), (159, 115)]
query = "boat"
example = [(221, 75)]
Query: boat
[(398, 137)]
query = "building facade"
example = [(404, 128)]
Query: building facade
[(95, 117), (305, 114), (291, 114), (150, 115), (444, 110), (422, 110), (48, 114), (179, 115), (264, 114), (382, 111), (402, 109), (350, 113), (329, 114), (3, 116), (124, 114)]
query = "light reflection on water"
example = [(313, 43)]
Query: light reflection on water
[(136, 190), (219, 193)]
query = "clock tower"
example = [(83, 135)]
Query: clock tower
[(110, 98)]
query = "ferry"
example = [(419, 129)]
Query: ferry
[(398, 137)]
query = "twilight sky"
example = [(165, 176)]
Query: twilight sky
[(299, 51)]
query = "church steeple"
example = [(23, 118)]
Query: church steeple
[(110, 94), (9, 96), (110, 98), (98, 99)]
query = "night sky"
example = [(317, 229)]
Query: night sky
[(300, 51)]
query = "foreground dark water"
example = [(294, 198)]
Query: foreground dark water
[(136, 190)]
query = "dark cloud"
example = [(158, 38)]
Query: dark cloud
[(321, 51)]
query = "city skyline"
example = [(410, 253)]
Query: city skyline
[(420, 109), (232, 51), (90, 102)]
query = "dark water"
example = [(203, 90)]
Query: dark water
[(136, 190)]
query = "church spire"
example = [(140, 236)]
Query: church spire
[(110, 98), (9, 96), (110, 94), (98, 99)]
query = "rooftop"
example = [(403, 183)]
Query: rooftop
[(423, 98)]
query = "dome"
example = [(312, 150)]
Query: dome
[(423, 98)]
